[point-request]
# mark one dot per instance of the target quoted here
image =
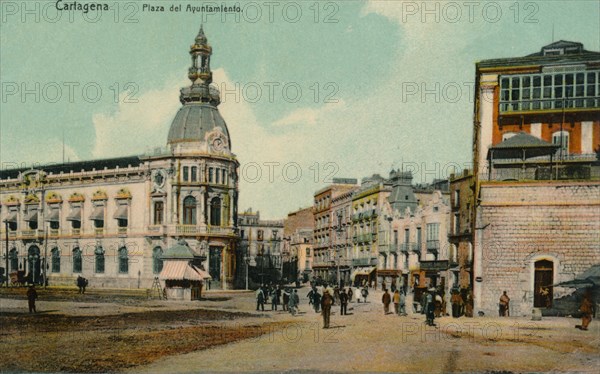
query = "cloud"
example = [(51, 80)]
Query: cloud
[(309, 116), (134, 127)]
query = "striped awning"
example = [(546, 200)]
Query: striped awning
[(12, 217), (31, 216), (75, 215), (98, 214), (53, 216), (180, 270), (121, 212)]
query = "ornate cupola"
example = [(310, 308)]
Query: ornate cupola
[(198, 125)]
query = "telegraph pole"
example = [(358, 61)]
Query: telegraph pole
[(6, 235)]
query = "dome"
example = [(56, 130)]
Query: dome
[(194, 121)]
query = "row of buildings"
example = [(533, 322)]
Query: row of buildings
[(524, 219)]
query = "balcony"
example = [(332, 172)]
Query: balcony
[(99, 231), (31, 234), (405, 247), (155, 230), (122, 230), (433, 246), (53, 233), (394, 247), (193, 230), (75, 232), (363, 238), (365, 261)]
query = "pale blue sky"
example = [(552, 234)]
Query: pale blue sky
[(369, 57)]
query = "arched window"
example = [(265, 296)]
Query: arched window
[(77, 260), (13, 257), (189, 211), (123, 261), (99, 253), (561, 138), (215, 212), (34, 266), (157, 262), (55, 260)]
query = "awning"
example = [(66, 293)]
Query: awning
[(31, 216), (53, 216), (362, 271), (121, 212), (75, 214), (98, 214), (179, 270), (203, 274), (12, 217)]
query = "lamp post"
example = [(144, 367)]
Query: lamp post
[(6, 224), (339, 230)]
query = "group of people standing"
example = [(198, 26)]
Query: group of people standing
[(288, 298), (398, 298)]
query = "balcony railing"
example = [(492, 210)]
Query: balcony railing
[(394, 247), (533, 172), (433, 246), (121, 230), (32, 233), (99, 231), (75, 232), (364, 261), (53, 233)]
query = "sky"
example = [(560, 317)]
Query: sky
[(310, 90)]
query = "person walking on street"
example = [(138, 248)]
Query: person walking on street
[(31, 297), (430, 308), (311, 295), (326, 302), (286, 299), (294, 302), (260, 299), (274, 300), (396, 300), (503, 306), (386, 299), (343, 303), (364, 294), (317, 301), (350, 293), (402, 310), (587, 309), (357, 294)]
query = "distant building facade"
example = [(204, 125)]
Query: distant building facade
[(297, 245), (260, 248)]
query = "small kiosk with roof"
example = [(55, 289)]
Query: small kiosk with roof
[(182, 274)]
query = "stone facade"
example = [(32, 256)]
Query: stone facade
[(557, 222)]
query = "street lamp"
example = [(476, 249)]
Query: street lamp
[(6, 225), (339, 230)]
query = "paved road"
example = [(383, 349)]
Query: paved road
[(368, 340)]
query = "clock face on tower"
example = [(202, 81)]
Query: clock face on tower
[(218, 142)]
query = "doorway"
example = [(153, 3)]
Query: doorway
[(542, 284)]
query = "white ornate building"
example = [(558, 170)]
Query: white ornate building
[(111, 220)]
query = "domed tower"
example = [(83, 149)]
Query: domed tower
[(204, 183), (198, 125)]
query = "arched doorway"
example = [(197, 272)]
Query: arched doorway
[(33, 265), (542, 284)]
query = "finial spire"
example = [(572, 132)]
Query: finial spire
[(200, 74)]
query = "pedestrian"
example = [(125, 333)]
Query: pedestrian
[(85, 284), (364, 294), (260, 299), (343, 303), (79, 283), (586, 309), (423, 302), (350, 293), (317, 301), (286, 299), (274, 299), (311, 295), (31, 297), (326, 302), (293, 303), (336, 295), (457, 304), (357, 294), (396, 300), (438, 305), (386, 299), (430, 308), (503, 305), (402, 310)]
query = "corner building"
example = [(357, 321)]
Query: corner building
[(111, 220), (536, 211)]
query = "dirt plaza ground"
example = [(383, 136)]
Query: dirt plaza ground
[(116, 331)]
